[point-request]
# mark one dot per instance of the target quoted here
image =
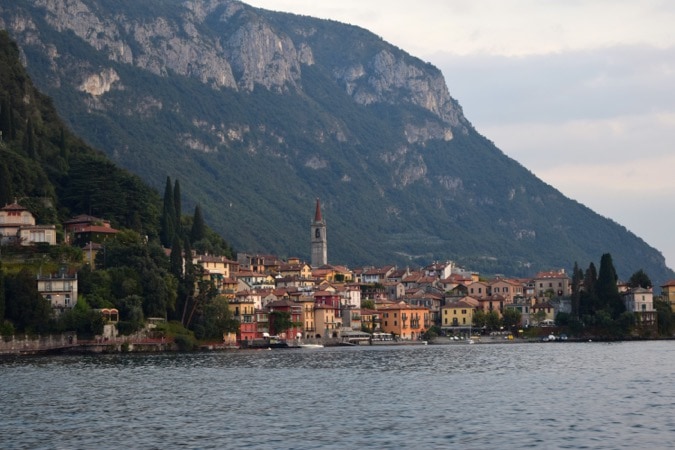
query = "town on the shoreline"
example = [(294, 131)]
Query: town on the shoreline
[(292, 301)]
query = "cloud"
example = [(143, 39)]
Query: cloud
[(589, 84)]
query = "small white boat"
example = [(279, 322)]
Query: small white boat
[(310, 345)]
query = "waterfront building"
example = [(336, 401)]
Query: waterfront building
[(668, 293), (405, 321), (640, 301), (459, 314), (60, 290)]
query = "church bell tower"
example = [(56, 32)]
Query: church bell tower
[(319, 242)]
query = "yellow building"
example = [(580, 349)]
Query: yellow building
[(307, 318), (668, 293), (327, 320), (405, 321), (459, 314)]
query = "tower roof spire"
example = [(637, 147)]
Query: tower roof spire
[(317, 214)]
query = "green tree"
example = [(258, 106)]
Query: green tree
[(25, 307), (176, 259), (607, 289), (131, 314), (511, 318), (640, 279), (201, 296), (367, 304), (479, 319), (168, 219), (198, 231), (177, 207), (664, 317), (588, 302), (82, 319), (577, 284), (216, 320), (492, 320), (280, 322)]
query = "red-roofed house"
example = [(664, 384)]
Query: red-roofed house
[(17, 224)]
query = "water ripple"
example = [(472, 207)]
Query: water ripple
[(572, 395)]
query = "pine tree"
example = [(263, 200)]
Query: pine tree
[(168, 220), (640, 279), (198, 231)]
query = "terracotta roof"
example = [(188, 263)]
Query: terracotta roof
[(400, 305), (317, 213), (96, 229), (14, 207)]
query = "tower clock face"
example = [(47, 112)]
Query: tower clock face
[(317, 233)]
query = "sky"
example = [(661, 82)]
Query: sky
[(582, 93)]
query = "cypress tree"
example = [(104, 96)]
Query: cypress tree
[(176, 259), (606, 288), (587, 298), (198, 231), (168, 221), (187, 286), (177, 207), (577, 283)]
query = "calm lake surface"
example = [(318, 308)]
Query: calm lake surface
[(497, 396)]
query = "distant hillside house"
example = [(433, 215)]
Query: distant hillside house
[(17, 225), (83, 229), (59, 289)]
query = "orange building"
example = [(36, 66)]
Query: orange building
[(405, 321)]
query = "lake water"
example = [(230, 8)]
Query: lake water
[(498, 396)]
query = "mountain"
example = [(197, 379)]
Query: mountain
[(258, 113)]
